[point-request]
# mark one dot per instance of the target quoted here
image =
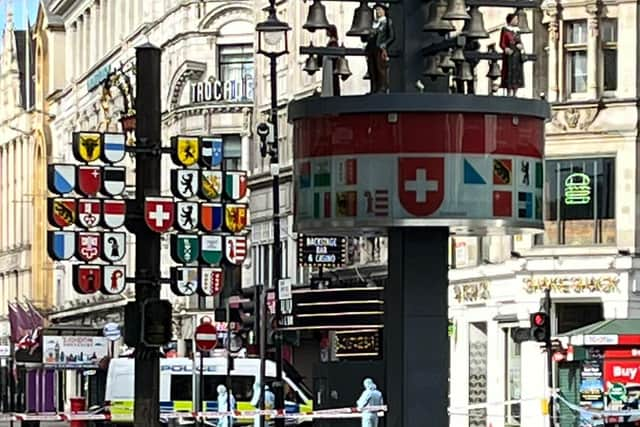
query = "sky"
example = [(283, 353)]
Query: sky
[(19, 12)]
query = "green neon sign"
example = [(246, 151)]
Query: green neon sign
[(577, 189)]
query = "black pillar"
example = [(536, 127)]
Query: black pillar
[(148, 167), (416, 344)]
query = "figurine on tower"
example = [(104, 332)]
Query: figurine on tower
[(381, 36), (512, 56)]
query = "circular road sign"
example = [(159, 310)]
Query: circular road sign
[(111, 331), (206, 336)]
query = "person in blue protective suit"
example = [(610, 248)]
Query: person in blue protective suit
[(226, 402), (371, 396), (269, 400)]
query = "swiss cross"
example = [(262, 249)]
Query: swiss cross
[(421, 185), (159, 215)]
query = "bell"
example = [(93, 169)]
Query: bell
[(342, 68), (456, 10), (458, 55), (435, 23), (311, 65), (317, 17), (362, 21), (464, 72), (523, 23), (446, 64), (433, 68), (474, 28), (494, 70)]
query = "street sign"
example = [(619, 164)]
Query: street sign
[(328, 251), (111, 331), (206, 336)]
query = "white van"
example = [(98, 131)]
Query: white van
[(177, 387)]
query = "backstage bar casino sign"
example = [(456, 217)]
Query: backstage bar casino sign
[(475, 172)]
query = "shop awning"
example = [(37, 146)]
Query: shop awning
[(606, 332)]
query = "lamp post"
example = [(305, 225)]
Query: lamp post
[(272, 43)]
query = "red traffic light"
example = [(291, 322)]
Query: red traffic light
[(539, 319)]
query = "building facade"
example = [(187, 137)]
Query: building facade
[(85, 81)]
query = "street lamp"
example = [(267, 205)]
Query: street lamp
[(272, 43)]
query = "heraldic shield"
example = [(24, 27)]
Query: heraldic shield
[(235, 249), (185, 150), (87, 279), (62, 212), (211, 249), (187, 216), (61, 245), (62, 178), (87, 146), (184, 280), (184, 183), (114, 147), (235, 184), (210, 216), (114, 246), (210, 281), (185, 248), (89, 180), (115, 279), (210, 151), (88, 246), (210, 184), (89, 213), (235, 217), (113, 180), (159, 213), (113, 213)]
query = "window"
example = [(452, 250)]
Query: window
[(181, 387), (576, 315), (576, 55), (580, 201), (236, 65), (513, 378), (609, 37), (232, 146)]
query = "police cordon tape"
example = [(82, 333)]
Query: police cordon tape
[(88, 416)]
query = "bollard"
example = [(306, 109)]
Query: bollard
[(78, 404)]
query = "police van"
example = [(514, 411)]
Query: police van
[(177, 386)]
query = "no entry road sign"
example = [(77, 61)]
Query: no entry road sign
[(206, 336)]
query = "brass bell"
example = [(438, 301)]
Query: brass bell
[(446, 64), (362, 21), (474, 28), (494, 70), (433, 69), (342, 68), (456, 10), (458, 55), (523, 22), (311, 65), (464, 72), (317, 17), (435, 23)]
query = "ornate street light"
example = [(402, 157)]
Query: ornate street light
[(272, 43)]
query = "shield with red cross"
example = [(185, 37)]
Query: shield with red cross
[(159, 213), (421, 184)]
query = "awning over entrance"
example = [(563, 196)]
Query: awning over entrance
[(606, 332)]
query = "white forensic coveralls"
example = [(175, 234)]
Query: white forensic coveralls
[(371, 396), (269, 400), (223, 406)]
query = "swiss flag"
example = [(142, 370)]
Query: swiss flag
[(421, 184)]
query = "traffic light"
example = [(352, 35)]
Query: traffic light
[(156, 322), (540, 327), (132, 324), (248, 309)]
